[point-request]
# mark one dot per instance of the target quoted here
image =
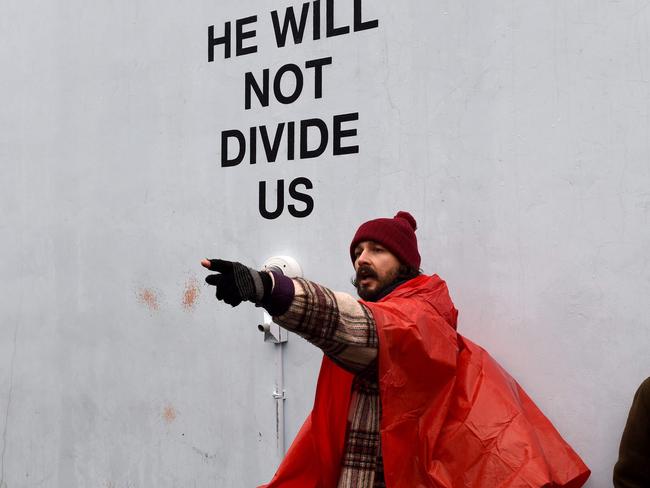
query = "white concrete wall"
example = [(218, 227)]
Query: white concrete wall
[(517, 133)]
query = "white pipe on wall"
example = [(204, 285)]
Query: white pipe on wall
[(278, 336), (279, 393)]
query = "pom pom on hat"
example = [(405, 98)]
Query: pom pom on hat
[(396, 234), (408, 217)]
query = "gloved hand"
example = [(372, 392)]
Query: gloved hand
[(237, 283)]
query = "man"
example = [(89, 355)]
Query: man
[(633, 467), (402, 400)]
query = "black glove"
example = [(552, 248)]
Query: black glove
[(237, 283)]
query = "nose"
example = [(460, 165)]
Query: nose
[(362, 259)]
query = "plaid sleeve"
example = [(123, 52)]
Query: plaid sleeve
[(335, 322)]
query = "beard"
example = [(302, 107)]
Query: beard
[(372, 294)]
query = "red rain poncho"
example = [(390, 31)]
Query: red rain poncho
[(451, 416)]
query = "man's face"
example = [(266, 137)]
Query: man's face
[(376, 268)]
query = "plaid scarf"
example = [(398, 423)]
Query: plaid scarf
[(345, 330)]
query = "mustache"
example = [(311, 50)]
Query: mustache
[(366, 271)]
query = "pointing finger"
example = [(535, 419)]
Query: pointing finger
[(217, 265)]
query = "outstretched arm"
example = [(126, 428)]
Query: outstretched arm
[(333, 321), (336, 322)]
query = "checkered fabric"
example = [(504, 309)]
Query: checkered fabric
[(345, 330)]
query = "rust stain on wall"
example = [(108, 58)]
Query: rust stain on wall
[(191, 294), (148, 298), (169, 414)]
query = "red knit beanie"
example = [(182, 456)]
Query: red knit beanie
[(396, 234)]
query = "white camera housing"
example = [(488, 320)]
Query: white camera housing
[(290, 268), (286, 265)]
